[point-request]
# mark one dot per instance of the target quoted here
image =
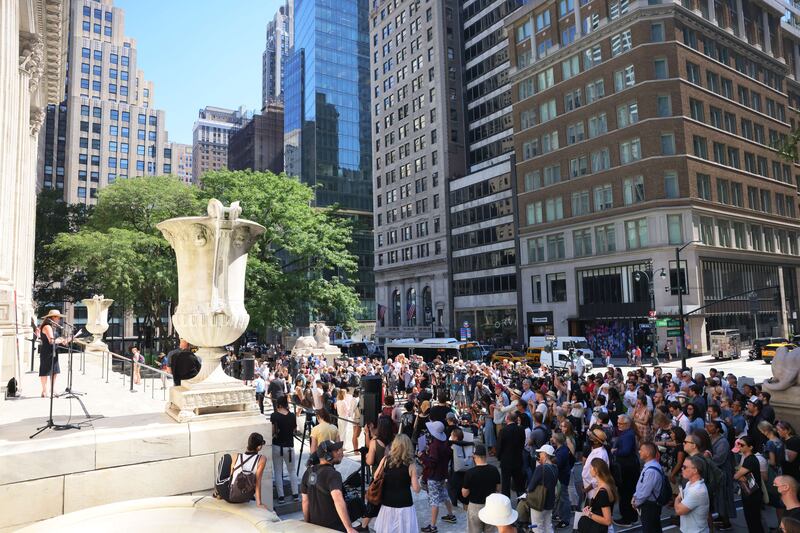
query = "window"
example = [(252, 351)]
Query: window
[(572, 100), (598, 125), (582, 242), (660, 71), (627, 114), (739, 239), (657, 32), (536, 250), (547, 110), (700, 146), (542, 20), (603, 197), (536, 289), (524, 31), (555, 247), (565, 7), (667, 144), (595, 90), (557, 287), (624, 78), (534, 213), (545, 79), (671, 185), (693, 73), (526, 89), (605, 238), (675, 229), (575, 133), (707, 230), (580, 203), (766, 201), (704, 186), (600, 160), (630, 151), (636, 233), (663, 106), (723, 191), (756, 238), (621, 43), (724, 233), (592, 57), (633, 190), (554, 209), (696, 110), (752, 198)]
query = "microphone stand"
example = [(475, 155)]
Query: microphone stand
[(69, 392), (50, 424)]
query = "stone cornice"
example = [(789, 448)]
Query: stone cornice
[(52, 25)]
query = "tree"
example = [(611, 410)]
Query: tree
[(302, 262), (52, 281), (120, 252)]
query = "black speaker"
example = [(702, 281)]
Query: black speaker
[(371, 399), (236, 369), (248, 369)]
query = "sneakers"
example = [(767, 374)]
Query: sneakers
[(429, 529), (296, 497), (561, 524), (281, 499), (450, 518)]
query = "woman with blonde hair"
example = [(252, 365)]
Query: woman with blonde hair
[(397, 514)]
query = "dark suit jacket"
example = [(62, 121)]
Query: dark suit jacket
[(511, 446), (184, 365)]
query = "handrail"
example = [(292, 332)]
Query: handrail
[(107, 363)]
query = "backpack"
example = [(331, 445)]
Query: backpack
[(353, 380), (407, 423), (665, 492), (243, 488)]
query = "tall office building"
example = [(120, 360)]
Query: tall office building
[(210, 136), (327, 120), (280, 39), (258, 145), (418, 124), (106, 128), (482, 226), (642, 128), (180, 157)]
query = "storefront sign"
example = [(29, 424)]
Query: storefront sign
[(672, 323), (673, 333), (662, 322)]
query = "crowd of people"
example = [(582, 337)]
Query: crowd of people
[(576, 450)]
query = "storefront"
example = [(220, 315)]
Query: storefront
[(497, 327), (540, 323)]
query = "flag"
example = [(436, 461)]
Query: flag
[(381, 311), (411, 311)]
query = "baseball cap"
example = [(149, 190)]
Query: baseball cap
[(549, 450)]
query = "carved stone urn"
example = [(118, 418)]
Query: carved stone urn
[(211, 256), (97, 318)]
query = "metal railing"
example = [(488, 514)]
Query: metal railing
[(128, 370)]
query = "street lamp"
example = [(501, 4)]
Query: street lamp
[(680, 299)]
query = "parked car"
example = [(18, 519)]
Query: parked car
[(768, 352)]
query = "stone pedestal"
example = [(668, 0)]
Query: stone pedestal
[(787, 405)]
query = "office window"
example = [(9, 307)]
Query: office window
[(707, 230), (704, 186), (668, 144), (534, 213), (598, 125), (700, 146), (633, 190), (624, 78), (582, 242), (660, 70), (675, 229), (600, 160), (627, 114), (603, 197), (657, 32), (663, 106), (630, 151), (693, 73), (555, 247), (605, 238), (536, 289), (739, 237), (536, 250), (580, 203), (554, 209), (723, 191), (724, 233), (636, 233), (756, 241), (557, 287)]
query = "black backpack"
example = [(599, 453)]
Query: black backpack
[(665, 492), (243, 487)]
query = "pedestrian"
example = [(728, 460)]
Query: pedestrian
[(260, 386), (499, 513), (397, 514), (323, 497), (136, 360), (545, 474), (250, 463), (564, 461), (626, 461), (786, 486), (597, 441), (378, 444), (479, 482), (435, 460), (48, 351), (463, 460), (510, 447), (692, 503), (648, 487), (791, 442), (723, 458), (748, 475), (284, 424), (597, 513), (323, 431)]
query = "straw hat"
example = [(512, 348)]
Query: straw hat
[(53, 313), (497, 511), (598, 435)]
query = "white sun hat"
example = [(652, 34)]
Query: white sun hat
[(497, 511)]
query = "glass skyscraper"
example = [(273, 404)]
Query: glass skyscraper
[(327, 119)]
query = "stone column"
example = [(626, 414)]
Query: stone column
[(712, 12), (767, 33), (578, 21), (796, 54)]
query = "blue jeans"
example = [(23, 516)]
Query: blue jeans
[(563, 505)]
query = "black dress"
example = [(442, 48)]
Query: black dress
[(47, 358)]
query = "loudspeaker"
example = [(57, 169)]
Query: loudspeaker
[(371, 400), (248, 370)]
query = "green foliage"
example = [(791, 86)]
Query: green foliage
[(302, 262), (120, 253)]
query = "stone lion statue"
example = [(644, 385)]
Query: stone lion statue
[(785, 370), (304, 345), (322, 335)]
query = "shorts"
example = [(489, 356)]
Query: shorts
[(437, 492)]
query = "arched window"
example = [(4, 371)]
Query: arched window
[(411, 307), (427, 305), (396, 308)]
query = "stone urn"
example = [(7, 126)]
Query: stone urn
[(211, 256), (97, 318)]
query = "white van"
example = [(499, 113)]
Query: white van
[(560, 356), (564, 343)]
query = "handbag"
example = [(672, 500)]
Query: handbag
[(748, 484), (375, 489), (537, 497)]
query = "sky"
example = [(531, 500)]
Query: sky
[(199, 53)]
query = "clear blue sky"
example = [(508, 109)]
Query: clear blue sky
[(199, 53)]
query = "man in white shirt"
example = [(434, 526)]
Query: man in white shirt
[(629, 398), (597, 438), (692, 502), (316, 394), (678, 417), (527, 393)]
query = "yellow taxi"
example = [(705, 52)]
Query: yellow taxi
[(531, 355), (768, 351)]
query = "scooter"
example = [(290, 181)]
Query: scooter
[(752, 355)]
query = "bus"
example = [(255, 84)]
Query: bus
[(428, 349)]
